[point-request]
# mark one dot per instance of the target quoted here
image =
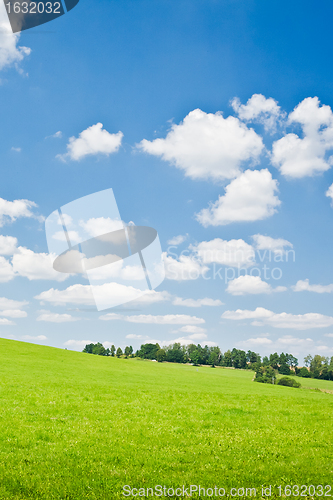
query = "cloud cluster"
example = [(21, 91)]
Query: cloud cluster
[(12, 210), (10, 53), (304, 285), (251, 285), (167, 319), (262, 316), (207, 146), (297, 156), (259, 109), (92, 141), (250, 197)]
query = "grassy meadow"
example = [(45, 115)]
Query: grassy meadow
[(78, 426)]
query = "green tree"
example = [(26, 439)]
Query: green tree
[(161, 355), (127, 352), (274, 360), (119, 352), (304, 372), (213, 359), (308, 360), (113, 350)]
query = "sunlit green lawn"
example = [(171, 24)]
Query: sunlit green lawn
[(77, 426)]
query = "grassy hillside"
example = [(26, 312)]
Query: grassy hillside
[(78, 426)]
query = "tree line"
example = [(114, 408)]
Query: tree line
[(265, 368)]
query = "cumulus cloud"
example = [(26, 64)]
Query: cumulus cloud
[(178, 240), (304, 285), (329, 193), (6, 304), (8, 245), (251, 285), (207, 146), (101, 225), (83, 295), (184, 268), (134, 336), (275, 245), (11, 309), (6, 322), (249, 197), (13, 313), (80, 344), (284, 343), (263, 317), (259, 109), (233, 253), (6, 270), (12, 210), (50, 317), (168, 319), (191, 329), (178, 301), (92, 141), (10, 53), (298, 157), (35, 266)]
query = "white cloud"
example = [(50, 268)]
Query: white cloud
[(258, 341), (251, 285), (57, 135), (12, 210), (184, 269), (136, 337), (56, 318), (82, 295), (259, 109), (101, 225), (8, 245), (281, 320), (10, 52), (17, 150), (178, 301), (250, 197), (191, 329), (207, 146), (299, 157), (152, 297), (190, 339), (329, 193), (6, 322), (233, 253), (168, 319), (328, 335), (92, 141), (35, 266), (13, 313), (6, 270), (276, 245), (304, 285), (78, 343), (178, 240), (29, 337), (6, 304)]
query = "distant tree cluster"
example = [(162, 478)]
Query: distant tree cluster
[(317, 367), (265, 368), (100, 350)]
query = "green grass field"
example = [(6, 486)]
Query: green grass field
[(78, 426)]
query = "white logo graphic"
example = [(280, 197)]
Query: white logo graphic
[(122, 262)]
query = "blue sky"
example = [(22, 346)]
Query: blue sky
[(171, 71)]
